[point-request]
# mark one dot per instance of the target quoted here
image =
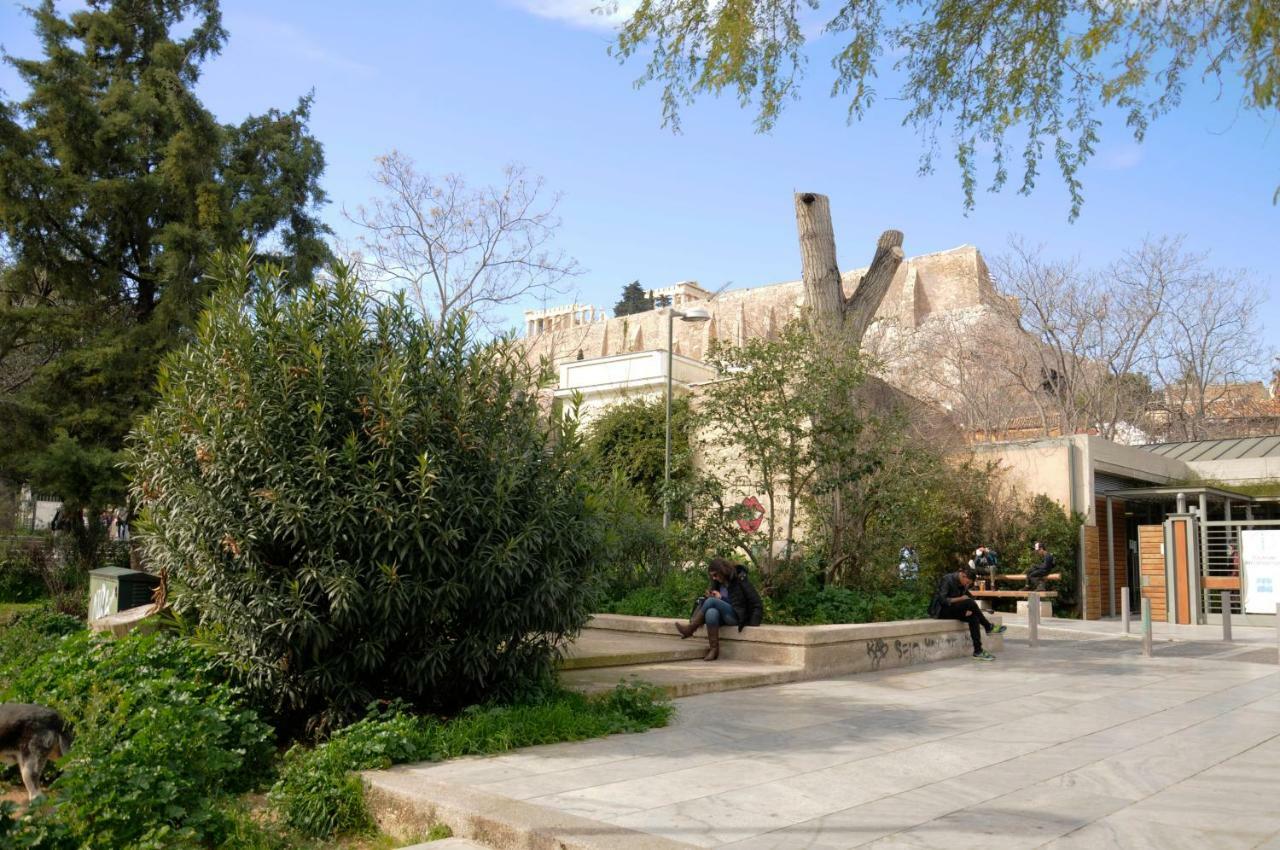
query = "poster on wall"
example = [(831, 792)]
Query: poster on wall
[(1260, 555)]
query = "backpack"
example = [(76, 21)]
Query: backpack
[(936, 603)]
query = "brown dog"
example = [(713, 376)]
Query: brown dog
[(29, 736)]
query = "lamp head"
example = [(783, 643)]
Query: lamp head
[(695, 314)]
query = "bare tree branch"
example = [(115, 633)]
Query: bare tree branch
[(454, 249)]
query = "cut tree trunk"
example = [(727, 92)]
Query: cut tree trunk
[(830, 312), (837, 320)]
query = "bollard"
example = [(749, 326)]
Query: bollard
[(1033, 619), (1146, 627), (1226, 597), (1124, 608), (1278, 626)]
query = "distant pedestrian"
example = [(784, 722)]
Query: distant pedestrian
[(908, 563), (954, 602), (1037, 574)]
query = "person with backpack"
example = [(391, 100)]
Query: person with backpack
[(954, 602), (730, 601), (985, 561)]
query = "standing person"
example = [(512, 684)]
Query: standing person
[(1037, 574), (731, 601), (908, 563), (954, 602)]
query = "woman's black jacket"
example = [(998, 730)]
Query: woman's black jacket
[(745, 600)]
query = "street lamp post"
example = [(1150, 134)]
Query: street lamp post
[(694, 314)]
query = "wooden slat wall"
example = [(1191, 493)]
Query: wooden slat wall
[(1151, 563), (1092, 573)]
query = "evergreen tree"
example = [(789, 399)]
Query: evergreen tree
[(116, 183), (634, 300)]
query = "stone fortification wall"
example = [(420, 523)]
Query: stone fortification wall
[(925, 287)]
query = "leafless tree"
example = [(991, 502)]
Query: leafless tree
[(962, 374), (1158, 332), (1084, 363), (1205, 346), (458, 249)]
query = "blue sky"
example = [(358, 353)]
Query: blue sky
[(467, 86)]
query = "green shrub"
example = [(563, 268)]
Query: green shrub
[(672, 596), (636, 551), (161, 740), (355, 504), (814, 606), (20, 581), (318, 795), (29, 636), (630, 440)]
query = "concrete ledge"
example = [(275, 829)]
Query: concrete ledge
[(405, 805), (683, 678), (140, 619), (827, 650)]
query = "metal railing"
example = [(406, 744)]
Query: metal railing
[(1220, 545)]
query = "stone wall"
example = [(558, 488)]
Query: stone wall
[(823, 651)]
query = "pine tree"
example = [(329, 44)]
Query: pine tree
[(117, 184), (634, 300)]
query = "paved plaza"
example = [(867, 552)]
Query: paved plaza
[(1076, 744)]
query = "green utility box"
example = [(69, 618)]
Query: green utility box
[(115, 589)]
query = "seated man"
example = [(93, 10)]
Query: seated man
[(953, 602), (1037, 574)]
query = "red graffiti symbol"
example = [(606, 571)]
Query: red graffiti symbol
[(752, 523)]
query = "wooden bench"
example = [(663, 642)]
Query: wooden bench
[(1022, 577), (1023, 597)]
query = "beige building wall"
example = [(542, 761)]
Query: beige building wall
[(1063, 468)]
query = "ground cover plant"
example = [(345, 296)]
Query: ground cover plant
[(319, 795), (166, 747), (163, 741), (355, 504)]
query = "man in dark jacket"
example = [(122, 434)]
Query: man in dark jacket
[(1037, 574), (954, 602)]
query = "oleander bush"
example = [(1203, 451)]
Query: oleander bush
[(354, 503)]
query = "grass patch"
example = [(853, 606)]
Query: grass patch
[(319, 795), (10, 611)]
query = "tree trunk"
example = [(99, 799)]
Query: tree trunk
[(847, 319), (837, 320)]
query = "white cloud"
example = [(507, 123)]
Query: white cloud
[(580, 13), (289, 40), (1121, 157)]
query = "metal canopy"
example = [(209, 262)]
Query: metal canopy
[(1233, 448), (1164, 494)]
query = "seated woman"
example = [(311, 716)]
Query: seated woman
[(731, 601)]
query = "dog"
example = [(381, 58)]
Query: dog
[(29, 736)]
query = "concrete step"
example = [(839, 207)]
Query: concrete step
[(596, 648), (447, 844), (405, 803), (684, 678)]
